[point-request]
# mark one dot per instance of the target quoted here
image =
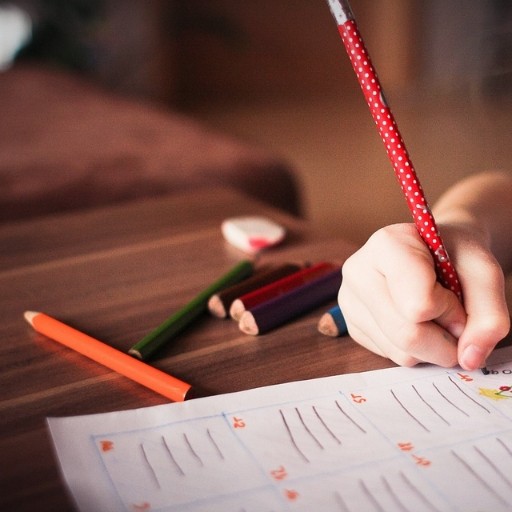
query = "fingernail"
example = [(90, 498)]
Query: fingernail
[(473, 357)]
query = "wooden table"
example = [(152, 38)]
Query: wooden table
[(115, 274)]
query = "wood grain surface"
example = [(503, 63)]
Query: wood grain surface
[(116, 273)]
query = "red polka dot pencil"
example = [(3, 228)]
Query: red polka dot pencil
[(393, 142)]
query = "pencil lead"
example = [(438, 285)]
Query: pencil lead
[(236, 310), (29, 316), (216, 307), (248, 324), (135, 353), (327, 326)]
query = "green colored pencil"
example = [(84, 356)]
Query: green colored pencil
[(185, 316)]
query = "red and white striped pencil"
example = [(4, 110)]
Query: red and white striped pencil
[(393, 142)]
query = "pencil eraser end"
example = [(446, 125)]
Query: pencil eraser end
[(252, 234)]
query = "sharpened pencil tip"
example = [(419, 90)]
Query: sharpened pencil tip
[(29, 316), (248, 324), (326, 325), (236, 309), (216, 307), (135, 353)]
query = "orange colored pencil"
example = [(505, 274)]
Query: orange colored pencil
[(148, 376)]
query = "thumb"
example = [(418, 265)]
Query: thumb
[(488, 318)]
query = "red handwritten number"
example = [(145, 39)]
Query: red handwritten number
[(106, 446), (465, 377), (279, 473), (405, 447), (421, 461), (142, 506), (291, 494), (238, 422), (358, 399)]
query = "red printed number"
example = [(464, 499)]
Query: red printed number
[(358, 399), (142, 506), (106, 446), (279, 473), (405, 447), (238, 422), (291, 494), (421, 461)]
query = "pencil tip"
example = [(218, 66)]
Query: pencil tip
[(247, 324), (29, 316), (236, 309), (327, 325), (216, 307), (135, 353)]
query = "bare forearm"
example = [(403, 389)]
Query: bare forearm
[(483, 202)]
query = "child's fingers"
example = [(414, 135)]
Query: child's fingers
[(488, 319), (374, 321), (405, 262)]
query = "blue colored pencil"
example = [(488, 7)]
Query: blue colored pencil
[(332, 323), (277, 311)]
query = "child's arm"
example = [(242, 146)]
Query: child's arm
[(393, 303)]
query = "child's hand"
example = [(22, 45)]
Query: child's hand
[(395, 307)]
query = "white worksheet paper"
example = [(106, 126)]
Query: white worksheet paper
[(401, 439)]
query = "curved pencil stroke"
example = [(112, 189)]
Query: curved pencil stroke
[(324, 424), (486, 485), (192, 451), (171, 456), (214, 443), (308, 430), (408, 412), (430, 406), (149, 467), (292, 438), (468, 396), (349, 417)]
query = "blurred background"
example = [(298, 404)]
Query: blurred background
[(275, 73)]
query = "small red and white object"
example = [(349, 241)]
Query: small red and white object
[(252, 234)]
